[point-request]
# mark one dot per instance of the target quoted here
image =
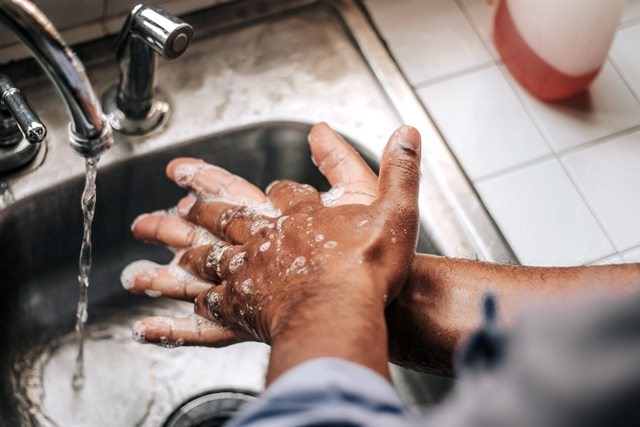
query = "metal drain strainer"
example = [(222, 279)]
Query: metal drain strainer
[(211, 409)]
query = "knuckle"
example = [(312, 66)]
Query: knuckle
[(408, 166), (230, 216)]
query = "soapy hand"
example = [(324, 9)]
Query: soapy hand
[(279, 256)]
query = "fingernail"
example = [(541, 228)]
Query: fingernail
[(270, 186), (185, 205), (137, 273), (408, 137), (138, 218), (184, 174)]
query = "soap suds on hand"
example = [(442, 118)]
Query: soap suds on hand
[(265, 246), (136, 268), (332, 197), (236, 262)]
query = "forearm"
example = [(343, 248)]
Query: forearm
[(441, 301)]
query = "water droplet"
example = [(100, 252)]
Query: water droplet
[(330, 244)]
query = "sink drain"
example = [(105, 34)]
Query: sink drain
[(211, 409)]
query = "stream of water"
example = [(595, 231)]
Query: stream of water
[(88, 204)]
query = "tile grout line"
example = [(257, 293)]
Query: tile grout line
[(563, 153), (622, 75), (473, 69), (476, 28), (629, 250), (454, 75), (598, 141), (513, 168)]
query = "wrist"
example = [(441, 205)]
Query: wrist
[(349, 325), (418, 339)]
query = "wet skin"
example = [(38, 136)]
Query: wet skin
[(437, 300), (294, 277)]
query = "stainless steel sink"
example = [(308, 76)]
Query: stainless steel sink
[(243, 97), (132, 381)]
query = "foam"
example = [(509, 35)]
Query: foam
[(330, 244), (138, 332), (246, 285), (319, 238), (299, 265), (135, 269), (236, 262), (265, 246), (185, 173), (204, 237), (186, 207), (332, 197), (153, 293), (259, 225)]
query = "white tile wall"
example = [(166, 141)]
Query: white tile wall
[(609, 107), (83, 20), (625, 53), (609, 177), (631, 12), (557, 178), (483, 122), (481, 17), (429, 39), (543, 216), (632, 256)]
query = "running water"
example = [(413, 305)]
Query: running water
[(88, 204)]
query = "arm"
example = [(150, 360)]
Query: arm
[(441, 301)]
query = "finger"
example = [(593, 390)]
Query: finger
[(174, 332), (233, 223), (155, 280), (213, 262), (200, 176), (285, 194), (211, 304), (400, 172), (169, 230), (341, 164)]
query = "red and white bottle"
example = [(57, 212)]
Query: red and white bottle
[(555, 48)]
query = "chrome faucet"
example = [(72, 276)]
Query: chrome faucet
[(89, 130), (20, 128), (135, 106)]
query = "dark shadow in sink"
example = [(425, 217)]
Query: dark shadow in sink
[(40, 236)]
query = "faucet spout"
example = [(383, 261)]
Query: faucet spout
[(89, 130)]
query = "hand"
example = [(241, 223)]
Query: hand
[(313, 250)]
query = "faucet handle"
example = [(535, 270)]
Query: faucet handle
[(165, 33), (27, 121), (135, 106)]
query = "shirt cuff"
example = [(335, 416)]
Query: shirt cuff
[(326, 391)]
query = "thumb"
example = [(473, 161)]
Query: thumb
[(400, 170)]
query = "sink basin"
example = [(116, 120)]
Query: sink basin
[(142, 384)]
